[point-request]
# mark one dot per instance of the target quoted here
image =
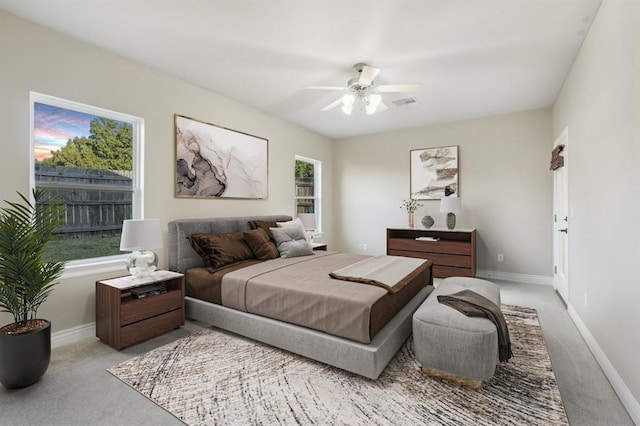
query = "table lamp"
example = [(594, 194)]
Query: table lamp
[(138, 236), (309, 222)]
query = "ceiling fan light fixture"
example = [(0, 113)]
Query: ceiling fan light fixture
[(348, 99), (372, 103), (375, 99), (361, 90)]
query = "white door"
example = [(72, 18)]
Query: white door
[(561, 221)]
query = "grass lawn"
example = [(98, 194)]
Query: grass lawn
[(83, 248)]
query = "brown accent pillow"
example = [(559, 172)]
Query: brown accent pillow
[(220, 250), (261, 244), (264, 224)]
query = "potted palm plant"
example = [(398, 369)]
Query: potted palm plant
[(26, 280)]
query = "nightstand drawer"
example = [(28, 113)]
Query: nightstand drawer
[(143, 330), (133, 309)]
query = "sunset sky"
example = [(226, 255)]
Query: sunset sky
[(54, 126)]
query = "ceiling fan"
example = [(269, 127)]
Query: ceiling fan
[(361, 90)]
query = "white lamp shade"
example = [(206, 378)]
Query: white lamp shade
[(450, 205), (140, 234), (308, 220)]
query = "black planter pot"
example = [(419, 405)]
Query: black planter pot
[(24, 357)]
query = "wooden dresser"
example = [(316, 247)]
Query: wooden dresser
[(453, 253)]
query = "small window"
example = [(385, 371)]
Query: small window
[(90, 158), (308, 191)]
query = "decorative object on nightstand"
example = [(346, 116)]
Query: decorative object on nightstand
[(427, 222), (309, 222), (139, 235), (410, 205), (451, 206)]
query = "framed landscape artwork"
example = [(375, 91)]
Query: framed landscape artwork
[(215, 162), (434, 173)]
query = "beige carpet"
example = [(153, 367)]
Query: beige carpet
[(214, 377)]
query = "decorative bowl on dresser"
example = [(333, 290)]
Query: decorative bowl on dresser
[(453, 252)]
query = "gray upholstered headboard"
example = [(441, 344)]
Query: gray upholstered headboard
[(183, 257)]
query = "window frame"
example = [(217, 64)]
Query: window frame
[(95, 265), (317, 189)]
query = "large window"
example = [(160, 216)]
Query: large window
[(90, 158), (308, 191)]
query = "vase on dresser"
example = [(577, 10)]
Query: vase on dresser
[(411, 220), (427, 222)]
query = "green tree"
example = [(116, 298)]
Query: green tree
[(304, 169), (109, 146)]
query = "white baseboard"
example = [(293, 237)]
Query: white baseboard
[(519, 278), (626, 397), (73, 335)]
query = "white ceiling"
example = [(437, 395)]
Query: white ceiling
[(474, 58)]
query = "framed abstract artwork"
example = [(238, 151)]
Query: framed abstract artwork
[(434, 173), (216, 162)]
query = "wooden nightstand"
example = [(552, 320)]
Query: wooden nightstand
[(319, 246), (123, 320)]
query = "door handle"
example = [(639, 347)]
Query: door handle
[(565, 230)]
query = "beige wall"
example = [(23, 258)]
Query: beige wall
[(600, 104), (33, 58), (505, 187)]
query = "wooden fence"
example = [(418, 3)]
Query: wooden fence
[(97, 201), (304, 188)]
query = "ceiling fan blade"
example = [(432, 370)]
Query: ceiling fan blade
[(325, 87), (387, 88), (367, 75), (382, 107), (332, 105)]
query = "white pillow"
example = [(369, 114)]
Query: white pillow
[(291, 242), (293, 224)]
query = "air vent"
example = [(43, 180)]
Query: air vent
[(405, 101)]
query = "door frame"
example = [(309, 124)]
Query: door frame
[(556, 222)]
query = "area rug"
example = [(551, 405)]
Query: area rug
[(214, 377)]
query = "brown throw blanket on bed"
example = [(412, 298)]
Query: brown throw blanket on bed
[(389, 272), (473, 304)]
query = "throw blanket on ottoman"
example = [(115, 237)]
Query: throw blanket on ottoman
[(472, 304)]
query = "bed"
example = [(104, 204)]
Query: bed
[(365, 351)]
